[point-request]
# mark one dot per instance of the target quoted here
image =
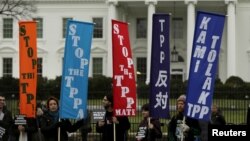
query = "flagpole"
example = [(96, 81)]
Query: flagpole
[(148, 127), (114, 131), (58, 133), (39, 130), (21, 136)]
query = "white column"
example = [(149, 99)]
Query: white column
[(151, 10), (190, 30), (111, 15), (231, 45)]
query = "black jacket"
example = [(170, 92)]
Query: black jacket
[(217, 119), (6, 124), (107, 130), (50, 128), (176, 120), (30, 128), (149, 134)]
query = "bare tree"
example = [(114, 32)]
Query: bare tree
[(17, 8)]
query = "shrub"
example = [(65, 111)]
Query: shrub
[(143, 90), (234, 82), (99, 86)]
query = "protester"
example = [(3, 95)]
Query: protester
[(216, 117), (183, 128), (105, 126), (86, 126), (150, 128), (26, 131), (50, 123), (6, 120)]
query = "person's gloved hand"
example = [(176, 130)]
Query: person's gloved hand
[(185, 127), (59, 124)]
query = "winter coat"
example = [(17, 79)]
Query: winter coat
[(30, 129), (149, 134), (174, 130), (50, 128), (6, 124), (107, 130)]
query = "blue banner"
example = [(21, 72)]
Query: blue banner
[(160, 70), (74, 85), (204, 62)]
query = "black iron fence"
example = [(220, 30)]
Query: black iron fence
[(234, 110)]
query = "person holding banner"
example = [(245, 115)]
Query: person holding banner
[(6, 120), (50, 123), (183, 128), (105, 126), (24, 129), (150, 128)]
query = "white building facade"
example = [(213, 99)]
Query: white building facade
[(234, 58)]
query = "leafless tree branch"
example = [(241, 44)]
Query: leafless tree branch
[(17, 8)]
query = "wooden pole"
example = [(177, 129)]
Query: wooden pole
[(114, 131), (59, 130)]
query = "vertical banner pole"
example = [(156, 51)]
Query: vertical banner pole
[(114, 131)]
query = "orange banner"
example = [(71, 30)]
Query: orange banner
[(28, 68)]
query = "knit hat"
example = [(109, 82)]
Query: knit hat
[(181, 98), (145, 107)]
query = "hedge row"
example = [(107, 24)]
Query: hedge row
[(233, 88)]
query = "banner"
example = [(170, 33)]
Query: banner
[(204, 62), (28, 68), (124, 90), (74, 85), (160, 67)]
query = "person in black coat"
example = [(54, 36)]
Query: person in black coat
[(105, 126), (30, 128), (149, 128), (181, 127), (6, 120), (216, 117), (50, 123)]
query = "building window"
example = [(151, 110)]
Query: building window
[(7, 67), (64, 26), (40, 67), (39, 29), (7, 28), (141, 68), (98, 28), (97, 67), (177, 74), (177, 28), (141, 28)]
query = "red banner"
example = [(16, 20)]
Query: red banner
[(28, 68), (124, 89)]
